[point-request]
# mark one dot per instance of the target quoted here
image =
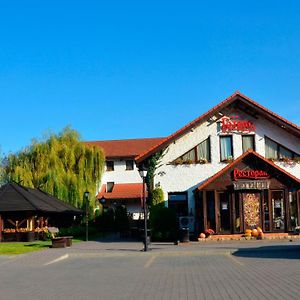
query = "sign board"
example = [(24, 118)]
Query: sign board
[(251, 185), (250, 174), (236, 124)]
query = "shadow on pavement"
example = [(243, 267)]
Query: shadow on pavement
[(277, 252), (115, 239)]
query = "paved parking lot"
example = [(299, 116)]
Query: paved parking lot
[(115, 270)]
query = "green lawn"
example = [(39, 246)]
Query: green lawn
[(10, 248)]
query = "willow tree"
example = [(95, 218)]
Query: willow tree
[(60, 165)]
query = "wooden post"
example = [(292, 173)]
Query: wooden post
[(287, 217), (233, 212), (241, 212), (204, 210), (298, 207), (0, 229), (270, 210), (217, 211)]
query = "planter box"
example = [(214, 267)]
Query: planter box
[(62, 242)]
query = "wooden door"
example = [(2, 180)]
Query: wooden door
[(224, 212)]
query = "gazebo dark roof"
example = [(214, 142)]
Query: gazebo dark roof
[(14, 197)]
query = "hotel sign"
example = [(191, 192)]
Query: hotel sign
[(236, 124), (251, 185), (250, 174)]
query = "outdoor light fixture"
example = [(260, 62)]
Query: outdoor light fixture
[(102, 200), (86, 202), (143, 174)]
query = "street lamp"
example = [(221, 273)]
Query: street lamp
[(143, 174), (86, 201)]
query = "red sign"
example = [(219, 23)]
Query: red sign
[(234, 123), (250, 174)]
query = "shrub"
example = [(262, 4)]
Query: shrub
[(163, 223), (76, 231), (157, 196)]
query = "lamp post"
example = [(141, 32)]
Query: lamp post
[(86, 200), (143, 174)]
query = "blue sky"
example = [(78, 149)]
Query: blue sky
[(130, 69)]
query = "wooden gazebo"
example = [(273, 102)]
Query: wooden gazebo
[(25, 211)]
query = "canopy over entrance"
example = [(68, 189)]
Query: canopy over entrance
[(249, 166)]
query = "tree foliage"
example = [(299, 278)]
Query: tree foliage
[(152, 164), (60, 165), (157, 196)]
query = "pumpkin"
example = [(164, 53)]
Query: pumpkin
[(261, 235), (202, 235), (259, 230), (254, 232)]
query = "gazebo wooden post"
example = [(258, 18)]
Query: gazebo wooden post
[(1, 228)]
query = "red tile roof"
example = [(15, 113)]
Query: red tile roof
[(295, 129), (122, 191), (236, 161), (126, 148)]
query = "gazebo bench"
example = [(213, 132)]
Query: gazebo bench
[(62, 241)]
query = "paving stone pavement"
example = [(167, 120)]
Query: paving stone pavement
[(119, 270)]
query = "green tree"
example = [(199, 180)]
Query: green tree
[(60, 165), (157, 196)]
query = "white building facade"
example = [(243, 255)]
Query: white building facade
[(235, 167), (217, 139)]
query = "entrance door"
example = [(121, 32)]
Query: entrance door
[(278, 210), (251, 209), (224, 212)]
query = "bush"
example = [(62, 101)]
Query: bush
[(113, 220), (164, 224), (157, 196), (76, 231)]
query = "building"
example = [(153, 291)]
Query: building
[(121, 183), (235, 167)]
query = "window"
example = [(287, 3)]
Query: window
[(109, 187), (285, 153), (226, 149), (203, 151), (276, 151), (248, 142), (109, 165), (199, 154), (271, 149), (129, 165)]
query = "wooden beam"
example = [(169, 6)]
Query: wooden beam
[(298, 207)]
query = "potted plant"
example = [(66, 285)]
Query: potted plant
[(228, 160), (202, 160), (208, 232)]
